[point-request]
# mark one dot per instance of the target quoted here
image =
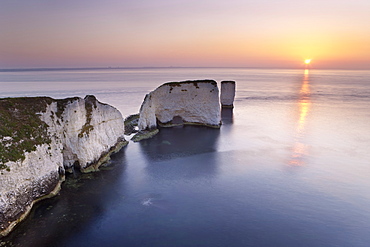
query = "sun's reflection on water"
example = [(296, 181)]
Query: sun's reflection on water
[(299, 150)]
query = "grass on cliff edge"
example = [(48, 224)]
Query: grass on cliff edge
[(21, 128)]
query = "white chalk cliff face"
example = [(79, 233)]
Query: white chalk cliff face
[(63, 134), (188, 102), (227, 93)]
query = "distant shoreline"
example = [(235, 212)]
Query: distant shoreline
[(171, 67)]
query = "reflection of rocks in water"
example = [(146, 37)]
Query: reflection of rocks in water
[(188, 168), (83, 198), (227, 115), (180, 141), (186, 152)]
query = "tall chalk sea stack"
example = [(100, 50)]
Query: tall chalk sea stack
[(187, 102), (42, 137), (227, 94)]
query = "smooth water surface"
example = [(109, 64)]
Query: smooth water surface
[(290, 165)]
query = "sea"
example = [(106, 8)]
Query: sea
[(290, 165)]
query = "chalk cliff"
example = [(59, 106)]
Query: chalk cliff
[(187, 102), (227, 94), (42, 137)]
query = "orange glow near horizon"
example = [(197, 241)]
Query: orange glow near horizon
[(161, 34)]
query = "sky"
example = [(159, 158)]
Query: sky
[(335, 34)]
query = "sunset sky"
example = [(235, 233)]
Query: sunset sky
[(189, 33)]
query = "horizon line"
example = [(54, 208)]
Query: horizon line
[(161, 67)]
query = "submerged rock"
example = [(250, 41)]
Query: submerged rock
[(178, 103), (144, 134), (131, 123), (227, 94), (42, 137)]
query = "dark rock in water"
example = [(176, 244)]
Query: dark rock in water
[(144, 134), (131, 124), (227, 94)]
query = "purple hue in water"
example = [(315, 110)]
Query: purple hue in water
[(290, 166)]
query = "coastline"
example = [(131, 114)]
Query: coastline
[(62, 178), (28, 209)]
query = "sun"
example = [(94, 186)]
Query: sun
[(307, 61)]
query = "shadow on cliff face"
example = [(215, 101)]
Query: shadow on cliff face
[(82, 199), (227, 116), (183, 151)]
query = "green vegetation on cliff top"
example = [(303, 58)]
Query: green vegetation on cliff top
[(21, 128)]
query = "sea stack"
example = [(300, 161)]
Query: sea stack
[(227, 94), (41, 138), (178, 103)]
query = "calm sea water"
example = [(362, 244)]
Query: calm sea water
[(290, 165)]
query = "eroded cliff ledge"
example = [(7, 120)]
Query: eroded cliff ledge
[(42, 137), (177, 103)]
